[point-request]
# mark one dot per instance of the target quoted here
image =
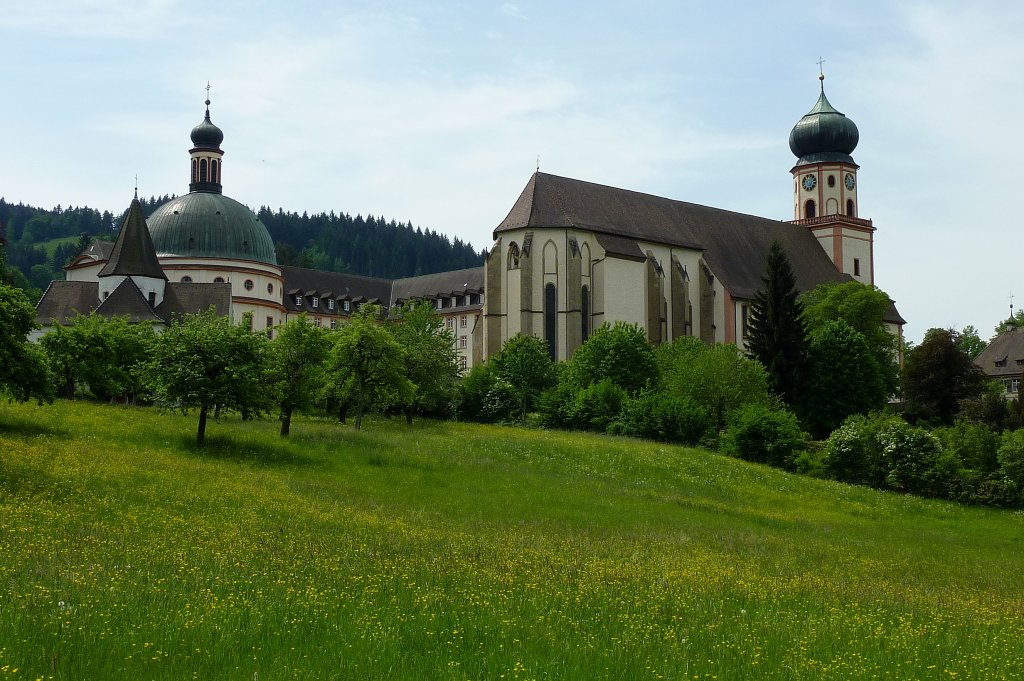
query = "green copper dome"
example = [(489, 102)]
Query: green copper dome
[(824, 134), (210, 225)]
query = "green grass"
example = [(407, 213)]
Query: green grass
[(455, 551), (50, 246)]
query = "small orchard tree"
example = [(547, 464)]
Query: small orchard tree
[(297, 358), (778, 336), (107, 355), (23, 374), (205, 362), (526, 367), (366, 365), (430, 358)]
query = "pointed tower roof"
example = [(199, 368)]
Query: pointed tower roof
[(133, 253)]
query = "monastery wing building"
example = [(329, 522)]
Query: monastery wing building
[(569, 256)]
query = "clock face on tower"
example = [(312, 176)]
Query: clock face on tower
[(850, 181), (810, 182)]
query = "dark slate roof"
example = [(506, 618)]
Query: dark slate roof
[(735, 245), (133, 252), (438, 285), (127, 301), (340, 286), (1007, 347), (63, 299), (189, 298), (621, 247)]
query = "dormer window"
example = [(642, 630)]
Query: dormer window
[(298, 299), (330, 304), (316, 302), (1001, 362), (346, 306)]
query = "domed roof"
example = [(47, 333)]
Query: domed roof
[(206, 134), (824, 134), (210, 225)]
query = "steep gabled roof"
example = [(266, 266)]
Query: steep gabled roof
[(1000, 356), (735, 245), (62, 300), (133, 253), (128, 301), (181, 298)]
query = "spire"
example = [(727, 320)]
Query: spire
[(133, 253)]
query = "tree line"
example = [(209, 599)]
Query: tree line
[(370, 246)]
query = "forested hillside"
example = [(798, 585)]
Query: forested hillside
[(40, 242)]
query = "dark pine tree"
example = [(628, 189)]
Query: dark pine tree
[(777, 336)]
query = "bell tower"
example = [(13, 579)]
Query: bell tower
[(825, 187), (206, 154)]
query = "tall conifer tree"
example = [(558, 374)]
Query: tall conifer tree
[(777, 336)]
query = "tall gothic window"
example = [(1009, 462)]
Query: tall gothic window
[(551, 318), (585, 313)]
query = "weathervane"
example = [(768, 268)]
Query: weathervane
[(1011, 304), (538, 163), (821, 72), (136, 185)]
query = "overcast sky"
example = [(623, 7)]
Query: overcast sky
[(436, 113)]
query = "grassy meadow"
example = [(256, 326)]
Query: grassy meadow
[(459, 551)]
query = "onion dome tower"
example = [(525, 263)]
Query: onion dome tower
[(205, 237), (825, 187)]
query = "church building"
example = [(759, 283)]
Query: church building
[(570, 256)]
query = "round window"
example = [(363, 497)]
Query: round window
[(186, 279), (249, 285), (831, 180)]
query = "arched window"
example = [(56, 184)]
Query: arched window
[(585, 312), (513, 256), (849, 208), (186, 279), (218, 280), (213, 170), (195, 170), (202, 170), (551, 318), (809, 209), (191, 243)]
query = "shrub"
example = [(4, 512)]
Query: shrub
[(974, 445), (911, 456), (1011, 457), (594, 407), (765, 435), (853, 452), (665, 417), (555, 405), (620, 353)]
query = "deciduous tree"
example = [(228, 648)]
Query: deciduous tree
[(937, 375), (430, 358), (23, 373), (524, 364), (297, 363), (205, 362), (366, 365)]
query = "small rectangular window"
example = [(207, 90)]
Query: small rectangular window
[(346, 305), (745, 320), (316, 302), (462, 321), (1014, 385), (856, 267), (334, 323), (462, 341), (298, 300), (462, 362), (317, 323), (330, 303), (450, 323)]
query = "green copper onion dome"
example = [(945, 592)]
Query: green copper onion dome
[(824, 134), (206, 134), (210, 225)]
